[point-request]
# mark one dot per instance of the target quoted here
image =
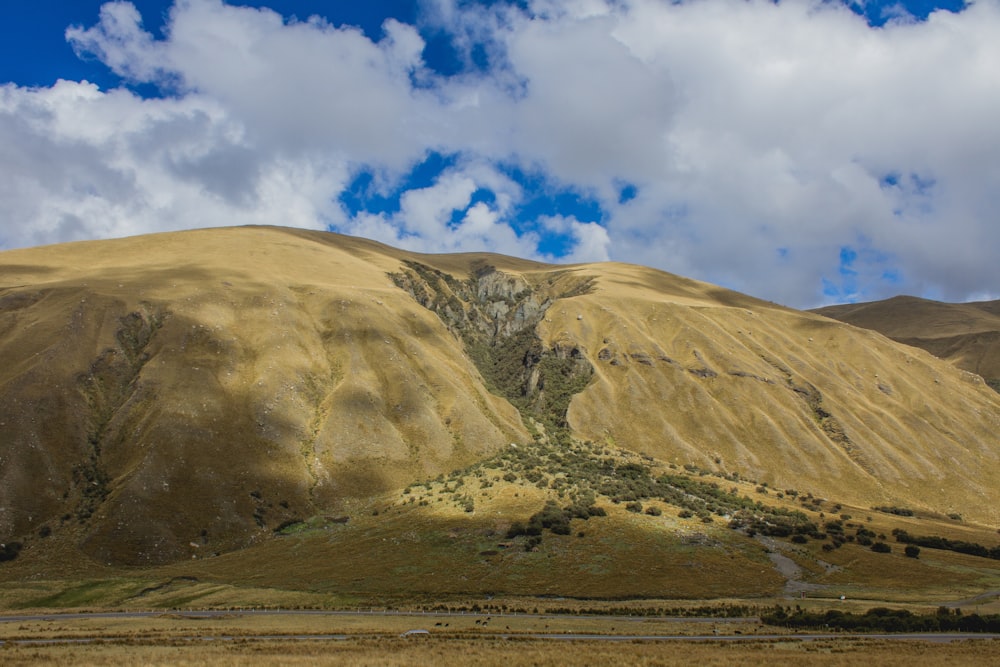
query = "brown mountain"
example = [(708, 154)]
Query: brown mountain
[(207, 387), (966, 334)]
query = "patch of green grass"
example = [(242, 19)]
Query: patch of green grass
[(101, 592)]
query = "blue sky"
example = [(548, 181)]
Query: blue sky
[(34, 50), (806, 152)]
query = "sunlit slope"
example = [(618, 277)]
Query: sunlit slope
[(966, 334), (691, 373), (203, 387)]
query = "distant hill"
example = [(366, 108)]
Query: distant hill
[(966, 334), (185, 394)]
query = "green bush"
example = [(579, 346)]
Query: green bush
[(898, 511), (937, 542), (881, 619), (912, 551), (9, 551)]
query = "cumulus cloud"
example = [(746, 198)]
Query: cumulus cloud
[(120, 42), (446, 216), (79, 163), (789, 149)]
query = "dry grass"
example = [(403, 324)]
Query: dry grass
[(966, 334), (472, 640), (425, 553), (487, 651), (440, 554)]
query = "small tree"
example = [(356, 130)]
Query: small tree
[(912, 551), (881, 547)]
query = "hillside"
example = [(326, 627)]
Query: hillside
[(966, 334), (189, 394)]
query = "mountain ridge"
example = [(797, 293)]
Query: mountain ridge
[(966, 334), (207, 387)]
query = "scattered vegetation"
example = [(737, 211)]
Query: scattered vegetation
[(937, 542), (495, 315), (556, 519), (881, 619), (898, 511)]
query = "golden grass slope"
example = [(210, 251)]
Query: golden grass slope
[(185, 394), (966, 334), (286, 373), (688, 372)]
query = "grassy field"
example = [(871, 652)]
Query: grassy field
[(435, 558), (365, 652), (473, 639), (420, 549)]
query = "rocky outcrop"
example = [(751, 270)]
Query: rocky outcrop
[(495, 315)]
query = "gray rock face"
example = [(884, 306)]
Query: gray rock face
[(495, 315)]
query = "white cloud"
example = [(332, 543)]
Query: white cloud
[(120, 42), (761, 137), (444, 217), (590, 239), (775, 126), (79, 163)]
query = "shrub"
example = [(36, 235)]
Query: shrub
[(516, 528), (9, 550), (912, 551), (937, 542), (883, 620), (898, 511), (881, 548)]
